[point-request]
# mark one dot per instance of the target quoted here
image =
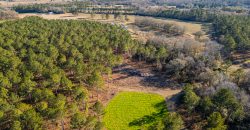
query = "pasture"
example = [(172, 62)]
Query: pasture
[(28, 2), (131, 110), (190, 27)]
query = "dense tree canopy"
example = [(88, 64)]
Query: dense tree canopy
[(44, 63), (216, 122)]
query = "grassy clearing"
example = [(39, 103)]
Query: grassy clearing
[(1, 21), (129, 110), (27, 2), (190, 27)]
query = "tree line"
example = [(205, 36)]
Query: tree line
[(206, 3), (230, 30), (73, 7), (168, 29)]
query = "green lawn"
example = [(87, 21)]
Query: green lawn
[(129, 110)]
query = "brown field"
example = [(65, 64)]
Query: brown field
[(27, 2), (189, 26), (135, 31), (1, 21), (97, 17)]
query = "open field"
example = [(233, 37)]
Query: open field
[(1, 21), (27, 2), (97, 17), (126, 108), (190, 27)]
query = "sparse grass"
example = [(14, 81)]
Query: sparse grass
[(247, 61), (189, 26), (129, 110), (1, 21)]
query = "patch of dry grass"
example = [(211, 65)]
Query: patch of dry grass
[(189, 26)]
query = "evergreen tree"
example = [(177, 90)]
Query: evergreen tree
[(216, 122)]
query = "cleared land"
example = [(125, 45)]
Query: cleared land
[(128, 78), (140, 77), (28, 2), (126, 109), (190, 27)]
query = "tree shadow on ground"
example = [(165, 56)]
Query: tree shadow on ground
[(154, 117), (173, 101), (149, 79), (159, 81), (124, 69)]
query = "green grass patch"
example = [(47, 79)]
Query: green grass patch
[(247, 61), (132, 110), (1, 21)]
